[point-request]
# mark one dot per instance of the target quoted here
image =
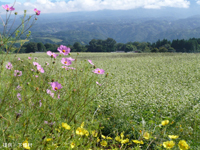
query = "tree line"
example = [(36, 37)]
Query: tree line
[(110, 45)]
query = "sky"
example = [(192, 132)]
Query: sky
[(62, 6)]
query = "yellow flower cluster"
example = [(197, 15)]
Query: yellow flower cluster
[(121, 139), (170, 144), (183, 145), (66, 126), (146, 135), (173, 136), (138, 142), (25, 145), (165, 122), (81, 131)]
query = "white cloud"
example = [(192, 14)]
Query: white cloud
[(198, 2), (46, 6)]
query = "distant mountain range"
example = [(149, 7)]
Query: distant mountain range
[(122, 29), (123, 26)]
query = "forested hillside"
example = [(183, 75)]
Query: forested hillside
[(82, 28), (141, 30)]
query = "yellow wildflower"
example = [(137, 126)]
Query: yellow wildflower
[(26, 145), (94, 133), (146, 135), (138, 142), (66, 126), (80, 131), (168, 144), (122, 135), (72, 145), (82, 124), (104, 143), (57, 129), (109, 138), (49, 139), (103, 136), (117, 138), (173, 136), (98, 140), (183, 145), (86, 132), (165, 122), (125, 141)]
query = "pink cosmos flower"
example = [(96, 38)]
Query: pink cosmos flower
[(17, 73), (32, 70), (67, 68), (64, 50), (7, 8), (18, 87), (40, 103), (36, 64), (9, 66), (66, 61), (56, 86), (19, 59), (37, 11), (71, 59), (39, 68), (35, 76), (98, 71), (50, 93), (90, 61), (19, 96), (52, 54), (29, 58), (98, 83), (35, 58)]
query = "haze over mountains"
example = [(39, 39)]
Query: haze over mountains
[(123, 26), (142, 25)]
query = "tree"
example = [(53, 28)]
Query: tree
[(110, 44), (92, 45), (41, 47), (129, 48), (163, 49), (48, 45), (77, 47), (154, 50), (119, 47), (31, 47)]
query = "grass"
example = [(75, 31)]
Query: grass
[(56, 40), (139, 92)]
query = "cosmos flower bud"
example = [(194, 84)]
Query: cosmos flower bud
[(16, 13)]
